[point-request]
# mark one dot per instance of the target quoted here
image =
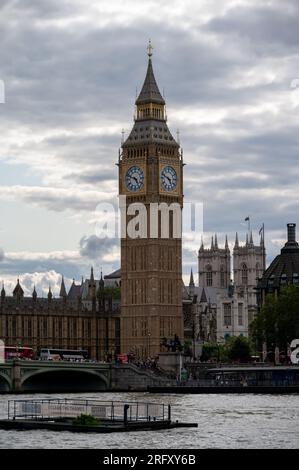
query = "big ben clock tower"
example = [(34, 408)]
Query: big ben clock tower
[(150, 177)]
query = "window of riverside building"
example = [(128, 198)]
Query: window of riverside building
[(227, 314), (209, 275)]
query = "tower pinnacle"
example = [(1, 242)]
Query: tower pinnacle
[(150, 49)]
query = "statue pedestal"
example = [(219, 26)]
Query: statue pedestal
[(171, 361)]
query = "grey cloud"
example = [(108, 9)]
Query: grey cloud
[(93, 84), (1, 254), (95, 248), (275, 26)]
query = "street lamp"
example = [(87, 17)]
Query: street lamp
[(148, 344)]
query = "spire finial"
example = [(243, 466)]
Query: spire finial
[(201, 245), (191, 282), (150, 49), (237, 241)]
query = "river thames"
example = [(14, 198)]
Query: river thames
[(224, 421)]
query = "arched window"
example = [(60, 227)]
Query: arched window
[(244, 275), (222, 276), (209, 275)]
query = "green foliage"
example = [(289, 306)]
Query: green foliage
[(239, 349), (187, 348), (86, 420), (277, 323), (109, 293), (214, 351), (236, 348)]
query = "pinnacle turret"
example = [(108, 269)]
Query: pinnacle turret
[(62, 289), (34, 294), (226, 243), (191, 282), (50, 295), (3, 292), (216, 242), (237, 241)]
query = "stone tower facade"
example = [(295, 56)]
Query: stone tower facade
[(151, 179), (214, 268), (249, 263)]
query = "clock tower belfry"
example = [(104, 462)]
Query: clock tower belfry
[(151, 189)]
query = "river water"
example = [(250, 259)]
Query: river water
[(224, 421)]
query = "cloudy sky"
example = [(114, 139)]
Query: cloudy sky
[(230, 73)]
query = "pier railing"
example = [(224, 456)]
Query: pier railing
[(60, 408)]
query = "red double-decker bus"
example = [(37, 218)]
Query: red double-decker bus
[(18, 352)]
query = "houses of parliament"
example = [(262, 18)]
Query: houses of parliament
[(133, 309)]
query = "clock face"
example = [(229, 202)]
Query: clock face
[(168, 178), (134, 178)]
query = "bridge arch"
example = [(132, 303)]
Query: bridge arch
[(64, 380), (5, 383)]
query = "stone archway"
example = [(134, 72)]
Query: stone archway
[(5, 385), (64, 380)]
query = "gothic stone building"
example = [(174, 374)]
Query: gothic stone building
[(87, 317), (220, 307)]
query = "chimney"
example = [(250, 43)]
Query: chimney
[(291, 244), (291, 233)]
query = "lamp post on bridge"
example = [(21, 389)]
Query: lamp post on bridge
[(149, 344)]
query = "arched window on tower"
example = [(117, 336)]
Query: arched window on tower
[(244, 275), (209, 275), (222, 276)]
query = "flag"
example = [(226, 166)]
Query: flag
[(261, 230), (247, 218)]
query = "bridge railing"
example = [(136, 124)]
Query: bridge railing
[(59, 408)]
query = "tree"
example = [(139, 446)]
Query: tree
[(277, 323), (239, 349)]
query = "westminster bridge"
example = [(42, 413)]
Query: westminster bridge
[(21, 376)]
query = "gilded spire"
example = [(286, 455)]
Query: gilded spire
[(149, 49), (150, 92)]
